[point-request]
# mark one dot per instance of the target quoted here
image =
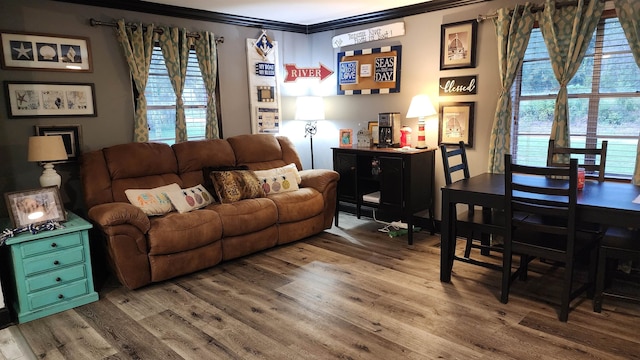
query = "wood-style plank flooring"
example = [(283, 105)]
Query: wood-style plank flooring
[(349, 293)]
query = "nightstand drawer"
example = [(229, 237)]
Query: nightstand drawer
[(57, 277), (53, 261), (58, 294), (50, 244)]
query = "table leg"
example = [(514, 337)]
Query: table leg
[(445, 242)]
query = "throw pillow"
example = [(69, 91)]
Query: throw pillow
[(206, 171), (283, 170), (232, 186), (278, 183), (152, 201), (185, 200)]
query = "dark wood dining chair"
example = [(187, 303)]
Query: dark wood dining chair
[(475, 225), (594, 160), (618, 244), (548, 231)]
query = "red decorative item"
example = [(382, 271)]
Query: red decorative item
[(405, 136)]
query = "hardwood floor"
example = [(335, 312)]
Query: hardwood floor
[(349, 293)]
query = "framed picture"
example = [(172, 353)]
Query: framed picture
[(25, 51), (369, 71), (375, 134), (35, 206), (346, 137), (35, 99), (458, 45), (456, 123), (71, 136)]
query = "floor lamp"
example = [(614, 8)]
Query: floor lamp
[(420, 108), (310, 109)]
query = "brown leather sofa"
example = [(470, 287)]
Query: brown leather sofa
[(144, 249)]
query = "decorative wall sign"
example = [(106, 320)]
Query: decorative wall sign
[(71, 136), (45, 52), (369, 71), (293, 72), (30, 99), (458, 85), (264, 77), (371, 34), (458, 45), (456, 123)]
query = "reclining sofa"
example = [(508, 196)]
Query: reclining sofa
[(144, 249)]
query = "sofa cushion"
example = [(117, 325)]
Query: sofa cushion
[(185, 200), (193, 156), (298, 205), (175, 232), (287, 169), (273, 183), (246, 216), (231, 186), (206, 174), (152, 201)]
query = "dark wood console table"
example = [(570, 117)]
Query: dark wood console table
[(404, 179)]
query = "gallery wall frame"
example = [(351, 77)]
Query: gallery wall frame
[(34, 51), (458, 45), (71, 137), (23, 206), (369, 71), (456, 123), (36, 99)]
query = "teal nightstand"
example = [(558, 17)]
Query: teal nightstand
[(52, 270)]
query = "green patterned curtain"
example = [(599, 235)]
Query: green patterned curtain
[(567, 32), (137, 44), (513, 29), (175, 47), (628, 11), (208, 61)]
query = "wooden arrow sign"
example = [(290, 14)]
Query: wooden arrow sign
[(294, 72)]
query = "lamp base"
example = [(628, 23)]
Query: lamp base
[(50, 177)]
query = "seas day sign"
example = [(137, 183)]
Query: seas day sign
[(458, 85)]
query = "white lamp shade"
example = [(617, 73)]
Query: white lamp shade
[(309, 108), (46, 148), (420, 107)]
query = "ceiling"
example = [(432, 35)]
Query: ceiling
[(301, 12)]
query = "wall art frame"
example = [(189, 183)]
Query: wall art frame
[(71, 137), (456, 123), (369, 71), (21, 204), (458, 45), (39, 99), (34, 51)]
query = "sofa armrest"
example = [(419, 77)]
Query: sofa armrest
[(326, 182), (318, 179), (119, 213)]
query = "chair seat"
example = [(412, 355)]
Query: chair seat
[(621, 238)]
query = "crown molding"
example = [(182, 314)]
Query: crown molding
[(195, 14)]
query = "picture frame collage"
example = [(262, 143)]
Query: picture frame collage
[(458, 47)]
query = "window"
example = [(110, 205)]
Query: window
[(161, 100), (604, 101)]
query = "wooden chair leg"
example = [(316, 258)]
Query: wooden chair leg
[(506, 277), (566, 291), (602, 269), (467, 248)]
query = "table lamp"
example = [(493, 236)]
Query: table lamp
[(45, 149), (421, 107), (310, 109)]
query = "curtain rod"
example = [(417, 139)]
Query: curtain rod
[(94, 22), (534, 9)]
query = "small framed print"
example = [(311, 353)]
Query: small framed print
[(375, 134), (23, 51), (346, 137), (458, 45), (456, 123), (35, 206), (71, 136), (32, 99)]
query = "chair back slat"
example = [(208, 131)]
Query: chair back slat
[(448, 156), (591, 162)]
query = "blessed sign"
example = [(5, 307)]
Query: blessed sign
[(458, 85)]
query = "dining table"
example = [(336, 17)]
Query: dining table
[(609, 203)]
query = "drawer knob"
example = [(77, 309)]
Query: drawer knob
[(58, 279), (54, 245), (56, 262), (60, 296)]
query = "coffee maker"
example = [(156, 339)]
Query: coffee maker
[(389, 129)]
